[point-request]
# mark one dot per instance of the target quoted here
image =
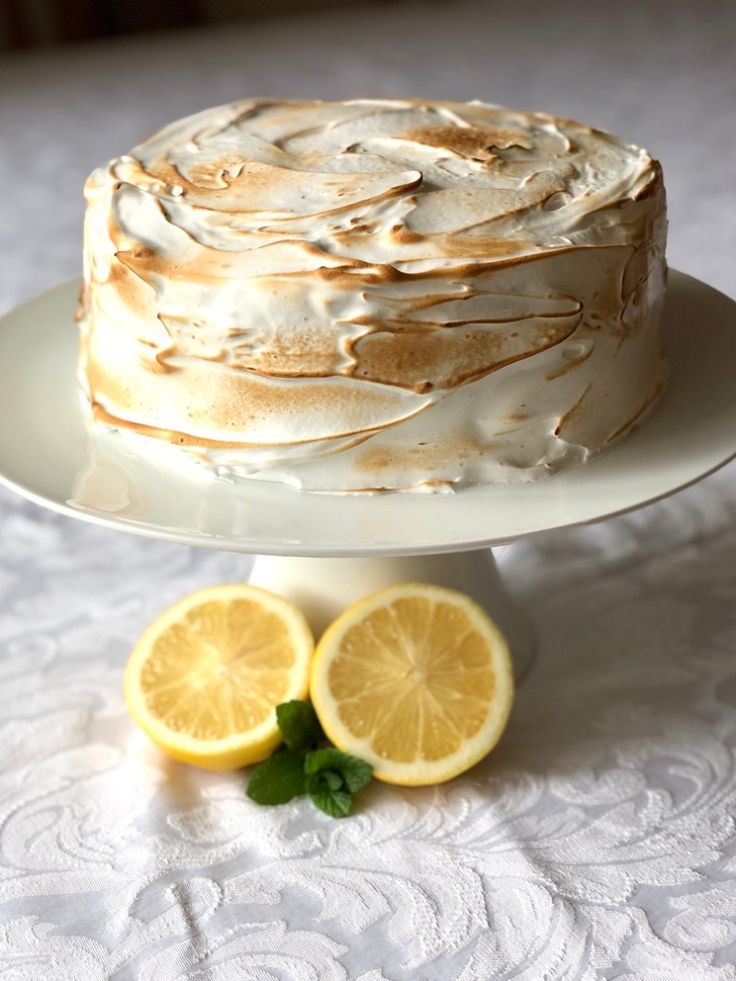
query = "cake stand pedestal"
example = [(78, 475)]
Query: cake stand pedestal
[(324, 550), (324, 587)]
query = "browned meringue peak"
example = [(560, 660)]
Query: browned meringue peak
[(267, 190)]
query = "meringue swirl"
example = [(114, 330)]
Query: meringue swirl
[(375, 294)]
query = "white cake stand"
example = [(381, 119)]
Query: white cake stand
[(323, 550)]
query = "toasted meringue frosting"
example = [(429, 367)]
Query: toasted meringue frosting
[(368, 295)]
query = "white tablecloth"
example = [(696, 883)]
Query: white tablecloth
[(598, 840)]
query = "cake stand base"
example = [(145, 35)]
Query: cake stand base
[(324, 587)]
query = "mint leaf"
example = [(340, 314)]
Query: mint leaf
[(336, 803), (324, 791), (329, 776), (299, 725), (355, 772), (332, 780), (278, 779)]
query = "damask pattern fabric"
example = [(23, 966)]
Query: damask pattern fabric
[(596, 842)]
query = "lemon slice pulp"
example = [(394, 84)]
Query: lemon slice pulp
[(204, 680), (417, 680)]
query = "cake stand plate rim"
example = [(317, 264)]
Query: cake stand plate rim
[(49, 456)]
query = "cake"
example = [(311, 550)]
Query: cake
[(375, 294)]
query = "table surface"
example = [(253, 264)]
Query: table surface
[(598, 840)]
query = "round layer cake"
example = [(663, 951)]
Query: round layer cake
[(375, 294)]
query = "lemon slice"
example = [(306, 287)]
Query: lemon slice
[(205, 678), (416, 680)]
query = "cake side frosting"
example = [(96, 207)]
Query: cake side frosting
[(375, 294)]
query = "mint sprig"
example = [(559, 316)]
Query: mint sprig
[(306, 763)]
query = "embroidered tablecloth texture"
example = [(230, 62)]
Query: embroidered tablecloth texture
[(597, 841)]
